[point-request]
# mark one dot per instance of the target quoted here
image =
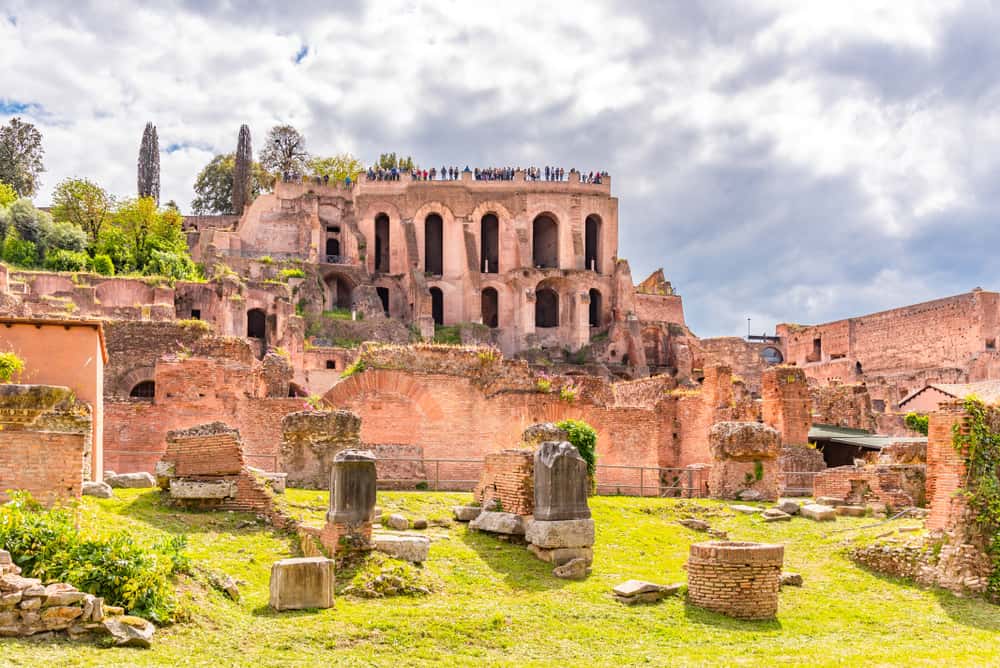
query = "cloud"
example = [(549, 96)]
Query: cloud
[(783, 161)]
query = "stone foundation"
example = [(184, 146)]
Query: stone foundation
[(740, 580), (798, 465), (897, 486)]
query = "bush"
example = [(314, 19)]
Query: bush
[(66, 260), (11, 367), (46, 545), (103, 265), (292, 273), (355, 367), (18, 251), (448, 334), (584, 438), (917, 422), (62, 235), (172, 265)]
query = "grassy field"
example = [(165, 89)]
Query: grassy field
[(494, 604)]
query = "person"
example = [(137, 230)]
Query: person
[(347, 181)]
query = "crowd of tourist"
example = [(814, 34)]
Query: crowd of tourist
[(483, 174)]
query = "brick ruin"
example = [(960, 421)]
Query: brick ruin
[(744, 461), (309, 442), (740, 580)]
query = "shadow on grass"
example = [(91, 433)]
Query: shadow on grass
[(520, 568), (697, 615)]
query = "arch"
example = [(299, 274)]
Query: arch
[(489, 244), (383, 295), (332, 248), (437, 305), (144, 390), (340, 290), (256, 324), (592, 247), (596, 310), (772, 355), (382, 243), (490, 307), (434, 244), (294, 390), (361, 388), (546, 308), (545, 241)]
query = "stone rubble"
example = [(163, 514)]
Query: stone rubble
[(574, 569), (819, 512), (466, 513), (139, 480), (397, 522), (497, 522), (101, 490), (632, 592)]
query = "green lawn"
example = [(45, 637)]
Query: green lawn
[(494, 604)]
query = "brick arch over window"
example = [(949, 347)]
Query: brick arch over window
[(369, 385), (123, 386)]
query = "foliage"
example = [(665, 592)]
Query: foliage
[(381, 576), (7, 194), (389, 160), (294, 272), (102, 265), (61, 235), (11, 367), (148, 170), (338, 167), (978, 440), (17, 251), (66, 260), (27, 220), (242, 171), (47, 545), (584, 438), (143, 238), (917, 422), (447, 334), (284, 151), (213, 188), (488, 356), (758, 470), (171, 264), (21, 156), (84, 204), (315, 402), (357, 366), (568, 393), (543, 385)]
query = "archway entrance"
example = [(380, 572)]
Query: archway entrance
[(144, 390), (382, 243), (437, 306), (490, 305), (383, 295), (592, 255), (256, 324), (434, 245), (546, 308), (545, 241), (332, 250), (489, 243)]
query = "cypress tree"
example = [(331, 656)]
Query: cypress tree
[(242, 171), (149, 164)]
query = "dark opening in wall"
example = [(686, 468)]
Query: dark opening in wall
[(256, 324), (490, 307), (592, 254), (332, 249), (489, 236), (546, 308), (437, 306), (545, 241), (383, 295), (144, 390), (817, 350), (341, 292), (196, 314), (331, 364), (434, 245), (382, 243), (595, 307)]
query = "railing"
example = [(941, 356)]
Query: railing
[(256, 254), (336, 259), (463, 474), (799, 487)]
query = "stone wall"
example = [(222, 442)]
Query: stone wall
[(740, 580), (134, 347), (508, 480), (744, 461), (896, 485), (45, 442), (798, 465), (843, 406), (309, 442), (786, 405)]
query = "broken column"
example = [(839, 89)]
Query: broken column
[(740, 580), (352, 501), (562, 529), (744, 461)]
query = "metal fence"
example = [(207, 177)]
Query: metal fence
[(461, 475)]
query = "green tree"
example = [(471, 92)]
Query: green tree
[(17, 251), (21, 156), (139, 234), (66, 260), (27, 220), (284, 151), (337, 167), (7, 194), (61, 235), (242, 171), (83, 203), (214, 186), (389, 160)]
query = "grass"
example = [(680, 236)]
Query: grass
[(494, 604)]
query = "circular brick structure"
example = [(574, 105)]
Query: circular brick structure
[(736, 579)]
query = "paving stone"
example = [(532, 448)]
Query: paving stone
[(406, 548), (775, 515), (746, 510), (820, 513)]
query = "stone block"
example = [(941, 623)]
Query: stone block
[(497, 522), (141, 479), (852, 511), (744, 441), (163, 471), (574, 569), (560, 555), (305, 582), (561, 482), (129, 631), (818, 512), (397, 522), (789, 507), (202, 489), (775, 515), (829, 501), (539, 433), (560, 533), (407, 548), (60, 616), (466, 513), (632, 592), (101, 490), (62, 594)]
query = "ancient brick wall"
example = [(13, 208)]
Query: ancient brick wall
[(744, 460), (843, 406), (743, 357), (134, 348), (945, 470), (508, 478), (659, 308), (786, 405), (798, 465), (309, 441), (741, 580), (896, 485), (210, 454)]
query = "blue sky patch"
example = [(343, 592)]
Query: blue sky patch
[(9, 107), (301, 54)]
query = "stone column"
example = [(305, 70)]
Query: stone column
[(562, 529), (352, 501)]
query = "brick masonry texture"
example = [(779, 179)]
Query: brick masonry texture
[(740, 580), (786, 405), (896, 485), (508, 478)]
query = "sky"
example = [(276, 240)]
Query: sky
[(794, 161)]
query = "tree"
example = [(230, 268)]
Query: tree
[(141, 237), (284, 151), (213, 188), (21, 156), (7, 194), (27, 220), (242, 171), (337, 167), (83, 203), (389, 160), (149, 165)]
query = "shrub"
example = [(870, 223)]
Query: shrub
[(315, 402), (103, 265), (266, 259), (17, 251), (292, 273), (66, 260), (357, 366), (11, 367), (584, 438), (448, 334), (170, 264), (568, 393), (917, 422), (543, 385), (46, 545)]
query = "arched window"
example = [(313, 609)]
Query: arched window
[(434, 245), (144, 390), (595, 308), (333, 251), (382, 243), (489, 244), (256, 324), (545, 241), (490, 304), (772, 356), (592, 254), (437, 306), (383, 295), (546, 308)]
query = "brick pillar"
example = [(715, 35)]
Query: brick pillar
[(787, 406), (945, 468)]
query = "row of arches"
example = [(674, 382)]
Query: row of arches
[(544, 243), (547, 307)]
